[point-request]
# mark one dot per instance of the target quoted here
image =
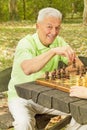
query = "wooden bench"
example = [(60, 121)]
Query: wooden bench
[(5, 118), (4, 79)]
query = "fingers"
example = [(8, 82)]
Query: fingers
[(78, 91), (65, 51), (70, 53), (73, 91)]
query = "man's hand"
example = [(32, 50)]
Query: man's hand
[(66, 51), (78, 91)]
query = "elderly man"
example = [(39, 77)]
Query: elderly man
[(36, 54)]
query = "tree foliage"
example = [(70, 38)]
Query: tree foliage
[(28, 9)]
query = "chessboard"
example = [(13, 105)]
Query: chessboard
[(63, 85), (65, 77)]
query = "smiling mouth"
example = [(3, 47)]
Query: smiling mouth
[(51, 38)]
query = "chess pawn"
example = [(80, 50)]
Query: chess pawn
[(63, 73), (68, 75), (85, 76), (81, 74), (78, 71), (46, 75), (59, 73), (86, 68), (53, 75), (83, 70)]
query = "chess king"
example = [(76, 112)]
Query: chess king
[(35, 54)]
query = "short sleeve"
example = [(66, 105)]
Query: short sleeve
[(25, 50)]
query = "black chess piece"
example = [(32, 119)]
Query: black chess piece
[(68, 75), (63, 73), (86, 68), (53, 75), (82, 70), (59, 73), (74, 63), (78, 71), (46, 75)]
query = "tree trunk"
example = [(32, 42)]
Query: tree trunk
[(13, 9), (24, 9), (85, 13)]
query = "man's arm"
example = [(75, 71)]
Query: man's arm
[(37, 63)]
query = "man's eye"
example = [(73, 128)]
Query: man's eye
[(58, 28), (49, 27)]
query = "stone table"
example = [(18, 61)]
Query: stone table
[(53, 98)]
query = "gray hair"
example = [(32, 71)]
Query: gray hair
[(46, 12)]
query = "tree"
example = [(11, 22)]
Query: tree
[(13, 9), (85, 13), (24, 9)]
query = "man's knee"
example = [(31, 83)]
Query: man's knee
[(24, 123)]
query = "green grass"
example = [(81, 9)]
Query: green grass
[(11, 33)]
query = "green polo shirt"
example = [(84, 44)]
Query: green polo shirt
[(28, 48)]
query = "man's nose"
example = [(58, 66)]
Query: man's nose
[(54, 31)]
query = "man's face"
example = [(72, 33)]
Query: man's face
[(48, 29)]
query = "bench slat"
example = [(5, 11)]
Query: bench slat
[(5, 76)]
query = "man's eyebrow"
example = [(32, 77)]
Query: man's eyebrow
[(49, 23)]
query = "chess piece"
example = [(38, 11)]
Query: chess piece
[(68, 75), (82, 71), (59, 73), (63, 73), (74, 63), (78, 71), (53, 75), (86, 68), (46, 75)]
